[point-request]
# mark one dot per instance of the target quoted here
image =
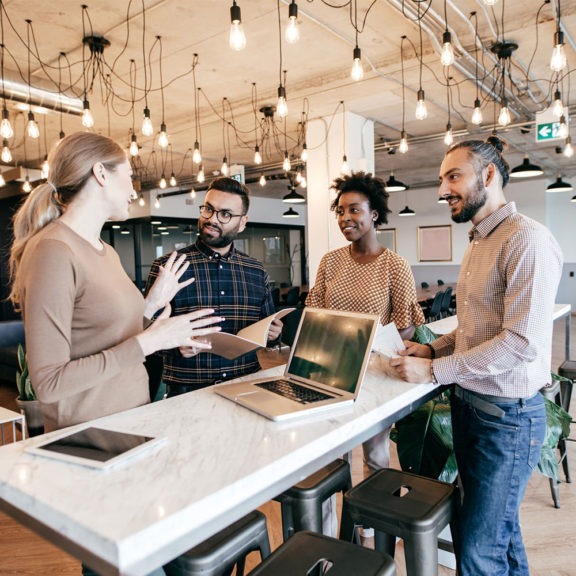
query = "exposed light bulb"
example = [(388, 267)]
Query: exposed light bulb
[(558, 59), (196, 156), (357, 72), (133, 146), (421, 111), (173, 179), (304, 153), (303, 182), (27, 187), (6, 154), (45, 169), (298, 176), (489, 2), (345, 168), (192, 193), (237, 36), (403, 146), (448, 137), (87, 118), (147, 128), (141, 200), (562, 127), (201, 176), (224, 168), (477, 114), (568, 149), (2, 181), (557, 106), (157, 202), (163, 136), (32, 128), (504, 117), (292, 32), (257, 155), (447, 56), (262, 180), (286, 165), (6, 130), (282, 106), (162, 182)]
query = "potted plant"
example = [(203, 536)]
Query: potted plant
[(27, 401)]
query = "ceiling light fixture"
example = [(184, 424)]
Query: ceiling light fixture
[(6, 130), (559, 186), (447, 56), (406, 212), (196, 154), (526, 169), (558, 59), (403, 146), (292, 33), (201, 176), (557, 106), (290, 213), (568, 149), (141, 201), (477, 113), (237, 37), (421, 110), (293, 197), (262, 180), (32, 129), (163, 134), (345, 167), (393, 185), (357, 71), (87, 118)]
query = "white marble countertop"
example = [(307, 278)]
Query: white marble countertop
[(220, 461), (446, 325)]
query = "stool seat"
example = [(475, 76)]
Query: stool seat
[(306, 553), (404, 505), (302, 504), (225, 549)]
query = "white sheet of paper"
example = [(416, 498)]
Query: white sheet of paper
[(387, 340)]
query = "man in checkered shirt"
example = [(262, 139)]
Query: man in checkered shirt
[(499, 356)]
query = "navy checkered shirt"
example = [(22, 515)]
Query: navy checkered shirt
[(237, 287)]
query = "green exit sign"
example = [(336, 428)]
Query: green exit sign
[(547, 131)]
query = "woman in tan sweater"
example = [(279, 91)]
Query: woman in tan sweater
[(87, 326)]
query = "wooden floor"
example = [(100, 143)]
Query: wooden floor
[(549, 533)]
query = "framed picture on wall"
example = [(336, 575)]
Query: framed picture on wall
[(387, 237), (435, 243)]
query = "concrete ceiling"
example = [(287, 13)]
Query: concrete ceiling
[(50, 52)]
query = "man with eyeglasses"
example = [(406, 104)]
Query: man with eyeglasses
[(235, 285)]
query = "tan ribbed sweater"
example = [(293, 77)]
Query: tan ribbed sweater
[(81, 313)]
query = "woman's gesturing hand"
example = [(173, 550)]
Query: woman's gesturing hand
[(167, 284), (172, 332)]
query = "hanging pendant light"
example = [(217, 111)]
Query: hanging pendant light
[(526, 169), (147, 126), (257, 155), (162, 184), (292, 33), (393, 185), (262, 180), (447, 56), (406, 212), (237, 37), (282, 105), (293, 197), (6, 130), (559, 186), (286, 164), (568, 149), (290, 213), (357, 71), (2, 181), (304, 153), (6, 154), (133, 146), (201, 176), (557, 106)]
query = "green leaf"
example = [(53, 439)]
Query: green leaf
[(557, 428), (423, 335)]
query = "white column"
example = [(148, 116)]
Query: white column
[(327, 144)]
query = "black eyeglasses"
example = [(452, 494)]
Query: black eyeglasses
[(223, 216)]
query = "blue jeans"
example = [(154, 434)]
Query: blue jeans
[(495, 456)]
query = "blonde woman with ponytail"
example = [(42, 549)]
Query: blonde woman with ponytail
[(87, 326)]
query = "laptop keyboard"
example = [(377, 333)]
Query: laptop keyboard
[(294, 391)]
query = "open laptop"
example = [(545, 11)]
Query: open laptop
[(325, 369)]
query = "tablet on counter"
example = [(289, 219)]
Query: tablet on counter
[(95, 447)]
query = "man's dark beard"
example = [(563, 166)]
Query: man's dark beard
[(220, 242), (472, 205)]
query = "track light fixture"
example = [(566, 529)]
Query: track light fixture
[(237, 36)]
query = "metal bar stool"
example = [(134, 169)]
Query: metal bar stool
[(229, 547), (404, 505), (311, 554), (302, 504)]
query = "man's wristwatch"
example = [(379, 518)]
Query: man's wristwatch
[(432, 351), (433, 376)]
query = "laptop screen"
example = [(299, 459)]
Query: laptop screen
[(332, 347)]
